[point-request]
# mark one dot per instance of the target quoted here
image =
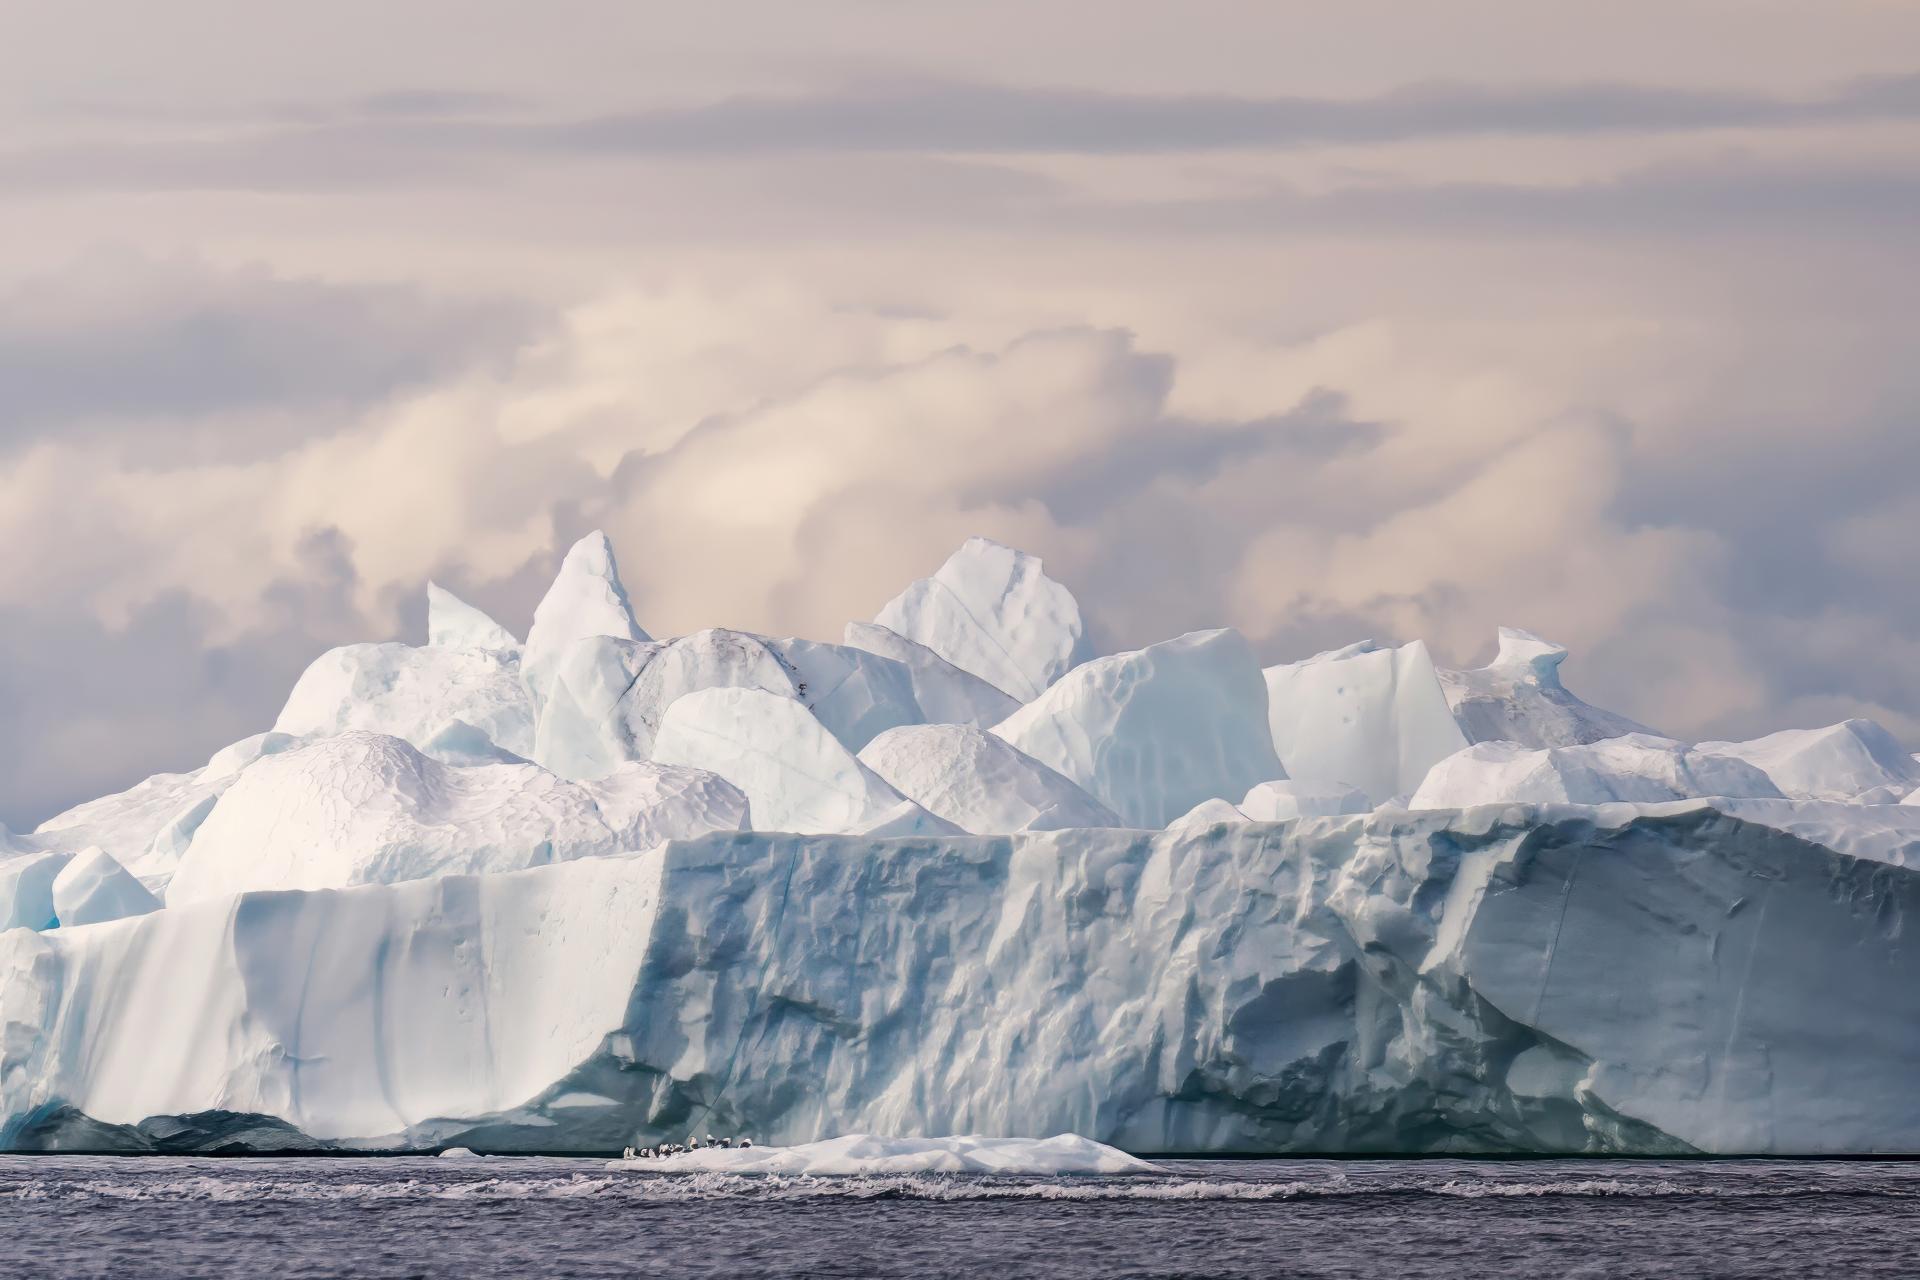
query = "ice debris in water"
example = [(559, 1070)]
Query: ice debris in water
[(857, 1155)]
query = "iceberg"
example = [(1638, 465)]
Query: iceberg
[(795, 774), (93, 888), (606, 698), (26, 887), (1518, 697), (978, 782), (1362, 716), (991, 611), (412, 693), (1637, 768), (944, 693), (586, 599), (147, 827), (1855, 761), (1513, 978), (1208, 813), (948, 878), (452, 623), (864, 1155), (1287, 798), (364, 808), (1153, 732)]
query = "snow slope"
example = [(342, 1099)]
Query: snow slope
[(991, 611), (1518, 697), (1364, 716), (1153, 732), (1547, 979)]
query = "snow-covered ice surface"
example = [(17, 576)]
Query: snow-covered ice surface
[(1363, 716), (1518, 697), (1154, 732), (864, 1155), (952, 877), (991, 611)]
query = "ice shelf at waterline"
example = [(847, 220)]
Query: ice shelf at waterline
[(1559, 979), (963, 875)]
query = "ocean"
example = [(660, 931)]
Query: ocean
[(153, 1217)]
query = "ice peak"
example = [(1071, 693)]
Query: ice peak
[(992, 611), (1523, 649), (586, 599), (452, 623)]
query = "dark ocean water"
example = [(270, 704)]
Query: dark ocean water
[(99, 1216)]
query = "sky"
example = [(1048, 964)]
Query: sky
[(1325, 322)]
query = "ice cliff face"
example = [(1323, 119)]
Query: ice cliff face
[(957, 875), (1554, 979)]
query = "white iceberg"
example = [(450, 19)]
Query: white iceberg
[(26, 887), (412, 693), (796, 775), (363, 808), (1362, 716), (1287, 798), (92, 888), (1518, 697), (1153, 732), (857, 1155), (606, 698), (990, 610), (1637, 768), (979, 782), (452, 623), (1855, 761), (586, 599), (945, 693), (1206, 814), (148, 827)]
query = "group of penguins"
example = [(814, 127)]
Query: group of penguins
[(666, 1149)]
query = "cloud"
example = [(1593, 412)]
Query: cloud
[(414, 138), (176, 358)]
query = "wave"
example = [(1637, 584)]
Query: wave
[(640, 1186)]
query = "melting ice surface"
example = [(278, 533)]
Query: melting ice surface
[(863, 1154), (961, 875)]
